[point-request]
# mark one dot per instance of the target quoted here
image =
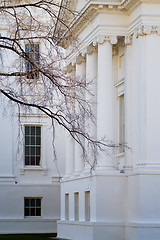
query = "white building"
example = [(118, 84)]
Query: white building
[(29, 191), (119, 49), (29, 172)]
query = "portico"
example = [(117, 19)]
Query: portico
[(119, 46)]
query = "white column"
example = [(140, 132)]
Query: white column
[(80, 76), (146, 98), (91, 78), (128, 102), (70, 144), (105, 102), (69, 155)]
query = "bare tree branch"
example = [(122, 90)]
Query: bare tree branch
[(35, 78)]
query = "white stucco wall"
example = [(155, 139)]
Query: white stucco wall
[(125, 204)]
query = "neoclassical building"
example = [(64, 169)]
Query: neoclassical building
[(29, 172), (118, 49)]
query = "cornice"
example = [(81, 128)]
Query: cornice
[(126, 39), (93, 8), (128, 4), (121, 4), (89, 11), (77, 25)]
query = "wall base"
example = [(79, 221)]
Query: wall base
[(16, 226), (90, 230), (108, 231)]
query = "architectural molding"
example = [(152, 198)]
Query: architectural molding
[(113, 40), (147, 30), (89, 11), (7, 179), (70, 67), (42, 169), (128, 40), (78, 24), (88, 50), (101, 39), (127, 4), (80, 59)]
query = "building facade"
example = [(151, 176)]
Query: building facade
[(117, 48), (29, 171), (29, 182)]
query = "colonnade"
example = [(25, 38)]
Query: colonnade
[(95, 64)]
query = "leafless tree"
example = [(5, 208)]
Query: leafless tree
[(32, 66)]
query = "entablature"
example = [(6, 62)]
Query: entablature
[(110, 17)]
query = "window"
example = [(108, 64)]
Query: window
[(32, 145), (87, 206), (76, 206), (32, 51), (32, 207), (121, 122), (67, 206)]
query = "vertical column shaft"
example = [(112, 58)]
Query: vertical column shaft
[(79, 161), (105, 100), (70, 148), (128, 104), (91, 79), (70, 153)]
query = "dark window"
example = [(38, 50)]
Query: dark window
[(32, 207), (32, 145), (32, 51)]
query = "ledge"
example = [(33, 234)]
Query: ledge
[(120, 224), (32, 168), (28, 219), (7, 179)]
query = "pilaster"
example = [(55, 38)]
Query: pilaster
[(148, 118)]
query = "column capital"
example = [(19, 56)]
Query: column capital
[(128, 40), (70, 68), (80, 59), (88, 50), (143, 30), (113, 40), (147, 30), (101, 39)]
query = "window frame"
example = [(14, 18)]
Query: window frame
[(67, 206), (87, 206), (31, 208), (122, 122), (76, 206), (31, 146), (32, 53)]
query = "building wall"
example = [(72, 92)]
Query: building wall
[(120, 51), (18, 181)]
